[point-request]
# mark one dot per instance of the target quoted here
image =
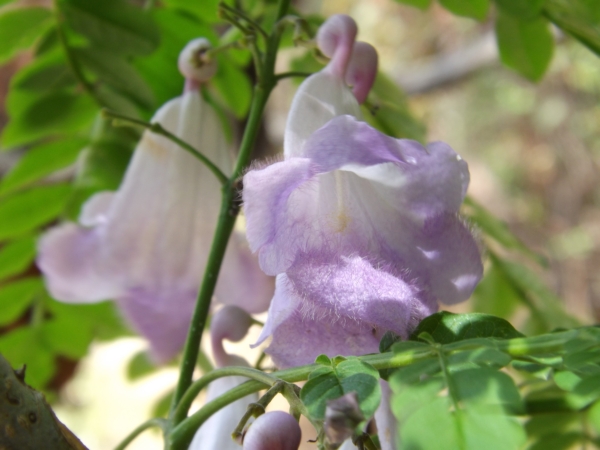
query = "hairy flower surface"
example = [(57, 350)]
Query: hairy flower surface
[(146, 245), (361, 229)]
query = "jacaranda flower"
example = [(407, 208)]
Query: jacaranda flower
[(361, 229), (145, 245)]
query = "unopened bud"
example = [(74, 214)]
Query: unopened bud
[(275, 430), (335, 39), (362, 70), (342, 416), (194, 62), (231, 323)]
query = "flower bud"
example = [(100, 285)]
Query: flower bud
[(275, 430), (362, 70), (336, 39), (194, 63), (231, 323), (342, 416)]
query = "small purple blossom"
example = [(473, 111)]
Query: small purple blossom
[(275, 430), (361, 229), (145, 246)]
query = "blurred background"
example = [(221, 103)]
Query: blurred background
[(533, 151)]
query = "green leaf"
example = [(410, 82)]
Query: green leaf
[(525, 46), (477, 9), (234, 87), (103, 318), (20, 27), (556, 441), (484, 356), (207, 10), (421, 4), (585, 392), (16, 256), (521, 9), (140, 365), (67, 335), (488, 388), (446, 327), (323, 360), (594, 416), (115, 25), (46, 73), (40, 162), (26, 211), (388, 339), (103, 164), (584, 363), (16, 297), (579, 18), (117, 73), (23, 346), (328, 383), (483, 395), (387, 110), (51, 114)]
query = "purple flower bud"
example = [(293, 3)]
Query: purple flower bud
[(273, 431)]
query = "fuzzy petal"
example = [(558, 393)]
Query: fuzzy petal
[(360, 192), (345, 304)]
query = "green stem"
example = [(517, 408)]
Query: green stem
[(157, 128), (228, 214), (242, 15), (191, 393), (156, 422), (283, 75), (71, 59)]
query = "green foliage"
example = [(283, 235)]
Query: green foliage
[(16, 297), (114, 25), (16, 256), (445, 327), (41, 161), (475, 411), (19, 29), (476, 9), (525, 45), (339, 378), (579, 18), (520, 9), (52, 114), (26, 211), (117, 73), (25, 346), (457, 388)]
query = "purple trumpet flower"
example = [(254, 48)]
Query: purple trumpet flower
[(362, 230), (145, 246)]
